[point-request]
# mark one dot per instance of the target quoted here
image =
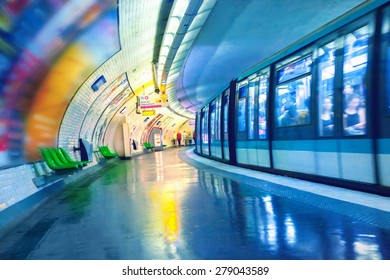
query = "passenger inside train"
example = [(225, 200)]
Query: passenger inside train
[(354, 117), (327, 117)]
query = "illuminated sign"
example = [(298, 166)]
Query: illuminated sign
[(98, 83), (163, 87), (153, 100), (148, 112)]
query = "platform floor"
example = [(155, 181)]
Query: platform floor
[(176, 205)]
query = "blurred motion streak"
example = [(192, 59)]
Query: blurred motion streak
[(47, 50)]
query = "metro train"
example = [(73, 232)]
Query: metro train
[(318, 110)]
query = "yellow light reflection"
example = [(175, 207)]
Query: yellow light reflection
[(166, 213), (170, 217)]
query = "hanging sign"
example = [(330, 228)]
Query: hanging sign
[(153, 100), (148, 112)]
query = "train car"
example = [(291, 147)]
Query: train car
[(212, 134), (319, 110)]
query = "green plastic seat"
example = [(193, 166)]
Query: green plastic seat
[(109, 152), (148, 146), (62, 159), (60, 156), (105, 151), (68, 159), (54, 155), (53, 164)]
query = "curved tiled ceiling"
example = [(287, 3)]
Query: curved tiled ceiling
[(172, 58), (194, 47), (149, 31), (138, 25), (205, 44)]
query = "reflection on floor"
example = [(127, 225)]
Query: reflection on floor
[(158, 207)]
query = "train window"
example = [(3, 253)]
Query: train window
[(294, 70), (386, 39), (205, 126), (212, 122), (225, 111), (292, 98), (197, 130), (293, 102), (263, 91), (326, 70), (241, 119), (354, 81), (218, 119), (251, 109)]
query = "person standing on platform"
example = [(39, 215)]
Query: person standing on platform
[(174, 139), (178, 136), (184, 137)]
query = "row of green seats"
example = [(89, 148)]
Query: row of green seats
[(59, 160), (68, 159), (148, 146), (105, 151)]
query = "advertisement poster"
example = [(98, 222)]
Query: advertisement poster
[(47, 50), (157, 140)]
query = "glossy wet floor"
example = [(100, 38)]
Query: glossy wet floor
[(158, 207)]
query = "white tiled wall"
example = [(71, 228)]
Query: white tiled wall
[(16, 184)]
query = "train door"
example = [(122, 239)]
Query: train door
[(197, 135), (212, 134), (356, 143), (345, 146), (262, 145), (383, 104), (215, 134), (225, 125), (252, 146), (326, 148), (218, 127), (242, 144), (293, 143), (205, 131)]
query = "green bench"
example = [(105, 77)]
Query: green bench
[(148, 146), (68, 159), (107, 153), (59, 157), (52, 160)]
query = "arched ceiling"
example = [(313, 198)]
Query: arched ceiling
[(203, 44), (193, 48), (196, 47)]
